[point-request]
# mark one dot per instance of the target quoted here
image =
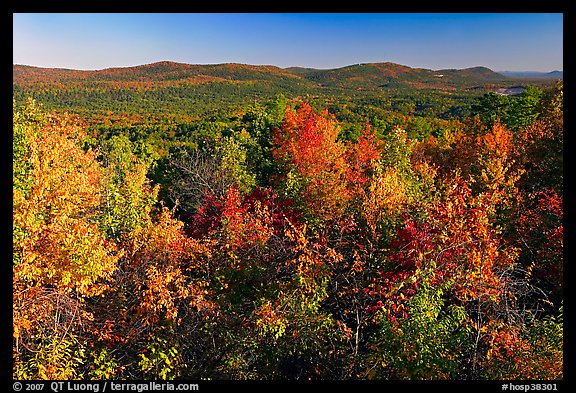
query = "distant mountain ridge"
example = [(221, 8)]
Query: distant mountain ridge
[(533, 74), (357, 76), (160, 71)]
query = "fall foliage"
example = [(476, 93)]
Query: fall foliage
[(276, 248)]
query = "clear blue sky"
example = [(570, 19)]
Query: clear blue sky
[(500, 41)]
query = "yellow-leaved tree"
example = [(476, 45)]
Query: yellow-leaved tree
[(60, 253)]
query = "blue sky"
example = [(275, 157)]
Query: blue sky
[(500, 41)]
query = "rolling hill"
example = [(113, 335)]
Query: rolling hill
[(161, 73), (378, 75), (359, 76), (167, 88)]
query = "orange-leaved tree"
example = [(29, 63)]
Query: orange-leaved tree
[(316, 162), (61, 255)]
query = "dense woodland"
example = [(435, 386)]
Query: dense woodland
[(258, 235)]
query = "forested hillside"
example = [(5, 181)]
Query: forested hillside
[(239, 222), (174, 90)]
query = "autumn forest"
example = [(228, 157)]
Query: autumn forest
[(265, 224)]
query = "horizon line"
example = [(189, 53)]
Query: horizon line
[(272, 65)]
